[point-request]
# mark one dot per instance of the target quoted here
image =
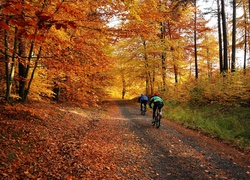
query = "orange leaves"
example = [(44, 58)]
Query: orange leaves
[(65, 25), (35, 37), (12, 9), (19, 21), (72, 24), (3, 25), (44, 18), (55, 27)]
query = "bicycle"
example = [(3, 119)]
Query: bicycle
[(157, 118), (143, 112)]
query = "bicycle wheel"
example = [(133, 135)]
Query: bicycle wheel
[(143, 113), (158, 122), (157, 119), (143, 110)]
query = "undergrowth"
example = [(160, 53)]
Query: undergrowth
[(227, 123)]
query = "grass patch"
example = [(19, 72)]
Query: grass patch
[(228, 123)]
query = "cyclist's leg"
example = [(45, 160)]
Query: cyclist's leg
[(160, 110), (145, 105), (141, 105), (154, 110), (158, 122)]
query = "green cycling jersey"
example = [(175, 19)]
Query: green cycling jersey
[(155, 99)]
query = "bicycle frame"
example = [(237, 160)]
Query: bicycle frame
[(143, 109), (157, 118)]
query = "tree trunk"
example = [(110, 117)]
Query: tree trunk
[(153, 83), (220, 37), (246, 35), (163, 72), (123, 88), (233, 37), (175, 74), (146, 67), (13, 63), (195, 43), (163, 56), (248, 8), (22, 66), (224, 29), (33, 73), (7, 64)]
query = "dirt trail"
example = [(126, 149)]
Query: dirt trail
[(114, 142), (174, 152)]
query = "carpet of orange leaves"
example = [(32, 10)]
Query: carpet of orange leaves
[(49, 141)]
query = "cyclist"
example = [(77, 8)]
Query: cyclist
[(158, 103), (143, 99)]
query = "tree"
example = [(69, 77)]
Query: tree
[(225, 42), (233, 37), (195, 41), (242, 29), (220, 36)]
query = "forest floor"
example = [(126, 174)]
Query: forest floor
[(53, 141)]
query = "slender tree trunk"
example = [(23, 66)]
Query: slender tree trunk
[(175, 74), (33, 72), (233, 37), (22, 66), (152, 82), (146, 67), (123, 86), (248, 8), (147, 83), (163, 60), (209, 66), (163, 56), (195, 44), (7, 65), (25, 94), (13, 63), (220, 37), (246, 35), (225, 44)]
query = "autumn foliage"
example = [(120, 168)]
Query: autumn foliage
[(68, 50), (63, 45)]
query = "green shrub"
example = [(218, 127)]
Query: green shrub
[(228, 123)]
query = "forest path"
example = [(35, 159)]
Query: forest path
[(58, 141), (174, 152)]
